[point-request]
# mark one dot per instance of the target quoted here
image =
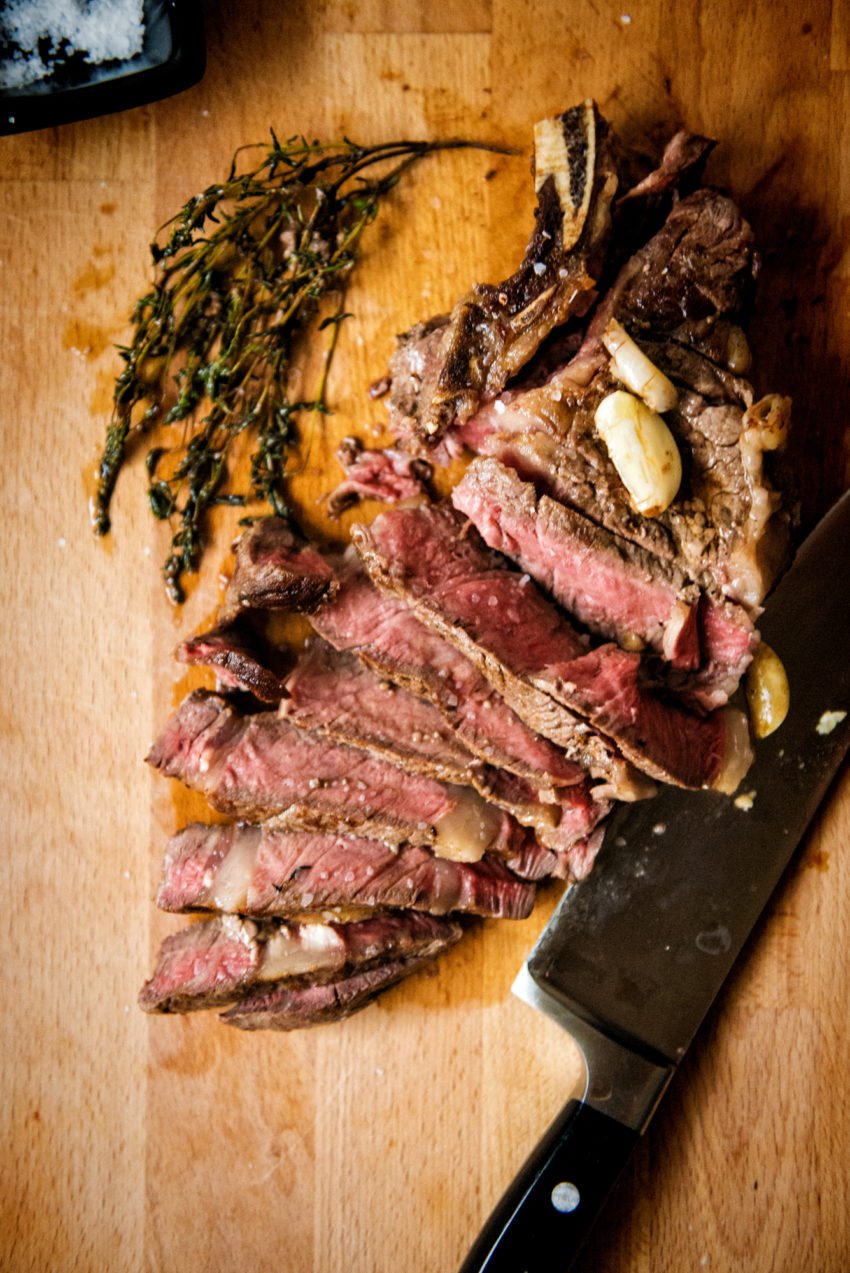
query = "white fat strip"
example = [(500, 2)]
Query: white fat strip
[(229, 888), (468, 830), (301, 948)]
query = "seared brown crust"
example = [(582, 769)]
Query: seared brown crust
[(275, 572), (233, 651)]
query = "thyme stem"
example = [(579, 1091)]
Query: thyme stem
[(240, 274)]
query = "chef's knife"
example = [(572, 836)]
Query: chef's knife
[(633, 958)]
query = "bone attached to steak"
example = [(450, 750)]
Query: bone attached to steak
[(264, 871), (275, 571), (678, 297), (495, 329), (613, 587), (214, 962), (523, 645), (281, 1008), (260, 766)]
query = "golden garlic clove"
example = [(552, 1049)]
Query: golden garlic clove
[(768, 694)]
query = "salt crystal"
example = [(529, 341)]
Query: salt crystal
[(828, 722), (41, 35), (539, 268)]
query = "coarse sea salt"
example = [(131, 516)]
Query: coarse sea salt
[(42, 35), (829, 721)]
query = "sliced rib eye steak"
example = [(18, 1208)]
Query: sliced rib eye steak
[(263, 871), (437, 561), (214, 962), (260, 766), (280, 1008), (336, 694), (613, 587), (332, 692), (385, 633)]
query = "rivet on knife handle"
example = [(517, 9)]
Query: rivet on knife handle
[(541, 1223)]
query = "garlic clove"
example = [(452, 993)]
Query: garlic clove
[(642, 450), (768, 694), (636, 371)]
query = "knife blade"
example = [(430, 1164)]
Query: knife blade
[(634, 956)]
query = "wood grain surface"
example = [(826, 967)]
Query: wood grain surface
[(378, 1145)]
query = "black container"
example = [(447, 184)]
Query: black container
[(172, 59)]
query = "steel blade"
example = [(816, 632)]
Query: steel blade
[(640, 949)]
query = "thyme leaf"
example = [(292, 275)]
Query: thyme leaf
[(244, 274)]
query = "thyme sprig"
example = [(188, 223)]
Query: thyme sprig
[(245, 273)]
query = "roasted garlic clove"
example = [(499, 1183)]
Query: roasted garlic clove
[(642, 450)]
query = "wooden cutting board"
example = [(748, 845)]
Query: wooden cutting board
[(378, 1145)]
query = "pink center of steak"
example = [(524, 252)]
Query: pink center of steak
[(264, 765), (334, 692), (387, 634), (207, 962), (436, 558), (614, 591)]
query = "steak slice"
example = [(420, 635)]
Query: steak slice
[(495, 329), (613, 587), (335, 694), (280, 1008), (216, 961), (437, 561), (259, 766), (332, 692), (275, 571), (386, 634), (234, 652), (725, 529), (264, 871)]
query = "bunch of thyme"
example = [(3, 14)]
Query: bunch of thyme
[(237, 290)]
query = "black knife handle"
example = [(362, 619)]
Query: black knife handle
[(546, 1214)]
